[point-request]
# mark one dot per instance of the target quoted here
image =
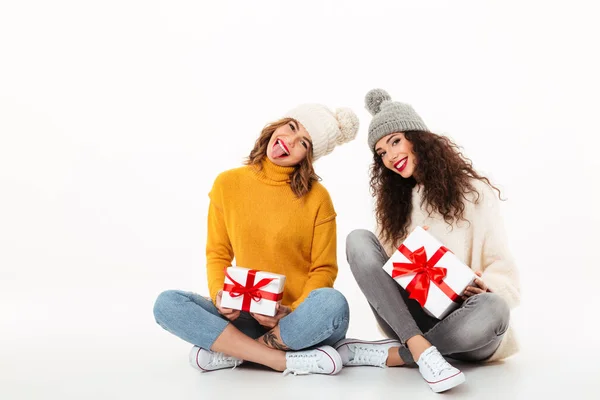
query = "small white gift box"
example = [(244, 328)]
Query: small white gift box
[(252, 290)]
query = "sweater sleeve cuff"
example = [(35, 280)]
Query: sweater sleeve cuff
[(503, 289)]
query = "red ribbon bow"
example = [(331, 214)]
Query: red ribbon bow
[(250, 290), (426, 272)]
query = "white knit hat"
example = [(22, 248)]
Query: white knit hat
[(327, 129)]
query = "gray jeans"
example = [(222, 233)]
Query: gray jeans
[(472, 332)]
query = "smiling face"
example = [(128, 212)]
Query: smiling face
[(289, 144), (396, 153)]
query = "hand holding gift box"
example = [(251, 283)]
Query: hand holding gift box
[(430, 273), (252, 290)]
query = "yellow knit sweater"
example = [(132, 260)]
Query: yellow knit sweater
[(255, 218)]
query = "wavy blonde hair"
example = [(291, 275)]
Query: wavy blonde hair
[(303, 177)]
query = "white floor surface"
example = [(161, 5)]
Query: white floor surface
[(104, 344)]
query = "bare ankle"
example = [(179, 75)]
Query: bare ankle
[(417, 345), (394, 359), (279, 363)]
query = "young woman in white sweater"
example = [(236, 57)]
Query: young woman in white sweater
[(421, 179)]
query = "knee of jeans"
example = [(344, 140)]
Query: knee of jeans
[(359, 243), (164, 302), (493, 313), (357, 239), (331, 303)]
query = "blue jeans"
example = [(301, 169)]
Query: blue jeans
[(321, 319)]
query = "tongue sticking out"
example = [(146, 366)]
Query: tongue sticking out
[(278, 151)]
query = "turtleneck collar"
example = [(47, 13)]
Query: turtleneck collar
[(273, 174)]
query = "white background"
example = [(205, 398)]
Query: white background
[(116, 116)]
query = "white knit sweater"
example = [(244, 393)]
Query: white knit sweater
[(481, 244)]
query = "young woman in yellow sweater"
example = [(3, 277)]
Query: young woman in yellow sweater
[(272, 215), (420, 178)]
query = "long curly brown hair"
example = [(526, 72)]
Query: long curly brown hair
[(446, 176), (303, 177)]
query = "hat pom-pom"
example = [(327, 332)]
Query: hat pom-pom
[(348, 124), (374, 98)]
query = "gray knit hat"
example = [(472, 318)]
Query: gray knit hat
[(390, 116)]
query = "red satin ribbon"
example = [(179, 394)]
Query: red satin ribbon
[(251, 291), (426, 272)]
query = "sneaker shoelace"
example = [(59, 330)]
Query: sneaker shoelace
[(302, 364), (368, 356), (437, 363), (219, 359)]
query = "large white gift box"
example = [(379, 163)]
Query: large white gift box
[(430, 273)]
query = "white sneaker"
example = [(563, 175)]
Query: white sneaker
[(206, 360), (437, 372), (322, 360), (361, 352)]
